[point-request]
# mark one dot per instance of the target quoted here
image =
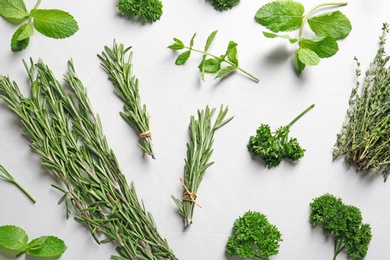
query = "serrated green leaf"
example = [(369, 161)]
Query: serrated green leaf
[(281, 16), (210, 40), (13, 238), (27, 31), (177, 45), (19, 45), (54, 23), (225, 71), (283, 36), (192, 40), (232, 52), (300, 65), (308, 57), (333, 24), (182, 58), (325, 47), (210, 65), (46, 246), (13, 9)]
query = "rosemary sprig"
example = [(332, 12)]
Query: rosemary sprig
[(70, 140), (120, 72), (199, 151), (365, 137), (5, 175)]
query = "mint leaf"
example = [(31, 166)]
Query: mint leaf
[(27, 30), (182, 58), (300, 65), (46, 246), (19, 45), (210, 65), (308, 57), (324, 47), (13, 9), (283, 36), (281, 16), (225, 71), (210, 40), (178, 45), (13, 238), (232, 52), (333, 24), (54, 23), (192, 40)]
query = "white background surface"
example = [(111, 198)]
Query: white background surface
[(236, 182)]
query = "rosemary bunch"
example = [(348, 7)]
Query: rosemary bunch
[(120, 72), (69, 138), (199, 151), (365, 137)]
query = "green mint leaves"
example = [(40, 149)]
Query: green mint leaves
[(52, 23), (211, 63), (16, 239), (287, 15)]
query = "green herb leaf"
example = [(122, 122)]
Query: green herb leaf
[(232, 52), (178, 45), (13, 9), (192, 41), (19, 45), (325, 47), (46, 246), (225, 71), (300, 65), (54, 23), (281, 16), (13, 238), (210, 65), (210, 40), (332, 24), (308, 57), (182, 58), (26, 32), (283, 36)]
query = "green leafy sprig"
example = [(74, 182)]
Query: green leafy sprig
[(287, 15), (146, 10), (364, 141), (16, 239), (5, 175), (253, 236), (69, 137), (344, 223), (274, 147), (223, 5), (213, 64), (199, 151), (120, 72), (52, 23)]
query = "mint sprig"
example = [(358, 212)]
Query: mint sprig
[(287, 15), (52, 23), (16, 239)]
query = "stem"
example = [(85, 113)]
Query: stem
[(37, 4), (300, 115), (256, 79), (8, 177), (305, 17)]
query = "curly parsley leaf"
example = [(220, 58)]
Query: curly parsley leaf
[(332, 24), (54, 23)]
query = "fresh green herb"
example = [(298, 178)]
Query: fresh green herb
[(52, 23), (365, 136), (120, 72), (287, 15), (344, 223), (274, 147), (222, 5), (5, 175), (253, 236), (69, 137), (16, 239), (213, 64), (199, 151), (146, 10)]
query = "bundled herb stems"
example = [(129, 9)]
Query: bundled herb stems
[(69, 138), (120, 71), (199, 151), (364, 141)]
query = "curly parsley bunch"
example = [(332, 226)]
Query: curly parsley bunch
[(222, 5), (147, 10)]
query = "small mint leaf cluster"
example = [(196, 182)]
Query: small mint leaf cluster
[(287, 15), (52, 23), (16, 239)]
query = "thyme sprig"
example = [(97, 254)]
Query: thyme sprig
[(69, 138), (199, 151), (120, 72), (365, 137)]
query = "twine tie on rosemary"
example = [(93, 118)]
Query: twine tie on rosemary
[(189, 196), (145, 134)]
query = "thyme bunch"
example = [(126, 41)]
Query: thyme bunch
[(120, 72), (364, 141), (69, 138), (199, 151)]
